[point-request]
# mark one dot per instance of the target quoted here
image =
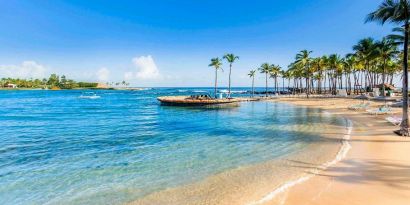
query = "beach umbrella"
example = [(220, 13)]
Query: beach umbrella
[(386, 86)]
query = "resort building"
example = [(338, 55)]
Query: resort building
[(11, 85)]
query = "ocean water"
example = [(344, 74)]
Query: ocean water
[(59, 148)]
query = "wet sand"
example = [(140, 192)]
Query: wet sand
[(375, 171)]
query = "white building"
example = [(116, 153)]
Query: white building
[(11, 85)]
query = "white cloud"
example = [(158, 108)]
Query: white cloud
[(27, 69), (103, 74), (146, 69)]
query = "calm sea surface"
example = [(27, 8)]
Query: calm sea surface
[(58, 148)]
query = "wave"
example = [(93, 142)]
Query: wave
[(89, 97), (233, 91), (199, 91), (344, 149)]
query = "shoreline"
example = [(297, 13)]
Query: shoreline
[(344, 149), (375, 171), (247, 184)]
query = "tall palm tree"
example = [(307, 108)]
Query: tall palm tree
[(231, 59), (397, 12), (217, 64), (284, 75), (251, 74), (274, 72), (335, 63), (365, 52), (265, 68), (319, 66)]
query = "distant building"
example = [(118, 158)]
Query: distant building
[(11, 85)]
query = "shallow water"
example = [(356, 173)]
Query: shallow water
[(57, 148)]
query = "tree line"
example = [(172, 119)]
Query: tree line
[(54, 81)]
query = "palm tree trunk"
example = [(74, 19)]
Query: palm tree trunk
[(391, 79), (307, 87), (253, 83), (288, 85), (229, 84), (383, 77), (283, 84), (216, 81), (405, 122), (266, 83)]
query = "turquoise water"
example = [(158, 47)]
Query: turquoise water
[(58, 148)]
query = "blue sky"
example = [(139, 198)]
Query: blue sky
[(169, 42)]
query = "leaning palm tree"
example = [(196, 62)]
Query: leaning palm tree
[(251, 74), (397, 12), (265, 68), (231, 59), (217, 64)]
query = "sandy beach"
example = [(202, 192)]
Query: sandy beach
[(375, 171)]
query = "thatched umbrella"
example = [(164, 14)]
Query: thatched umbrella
[(386, 86)]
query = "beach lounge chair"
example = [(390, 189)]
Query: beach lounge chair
[(395, 120), (361, 106), (379, 111), (341, 93)]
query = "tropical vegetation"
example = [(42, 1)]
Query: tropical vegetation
[(54, 81)]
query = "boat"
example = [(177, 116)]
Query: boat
[(195, 100)]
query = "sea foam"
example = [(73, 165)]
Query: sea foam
[(344, 149)]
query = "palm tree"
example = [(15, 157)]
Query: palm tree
[(251, 74), (231, 59), (216, 63), (335, 64), (365, 52), (398, 37), (385, 50), (397, 12), (265, 68), (274, 72), (284, 75), (303, 60)]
